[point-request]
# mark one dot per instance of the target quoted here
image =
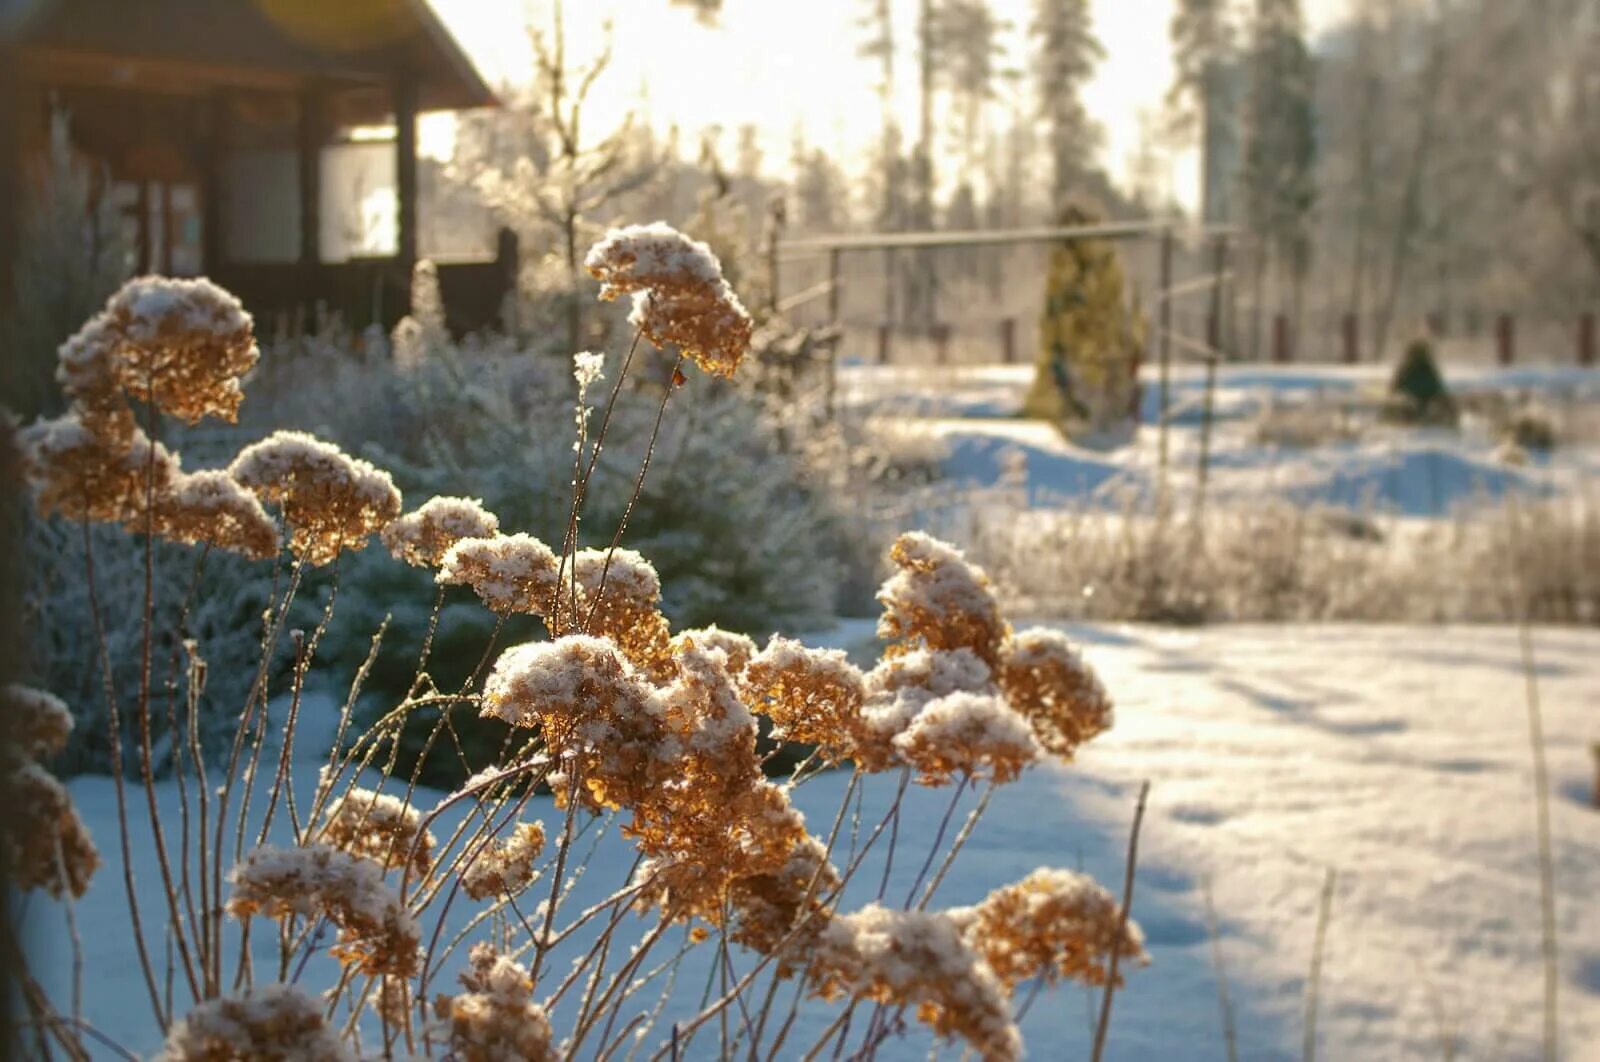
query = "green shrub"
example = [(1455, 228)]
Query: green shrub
[(1417, 390)]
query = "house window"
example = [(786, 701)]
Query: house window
[(161, 227)]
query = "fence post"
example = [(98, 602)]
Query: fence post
[(1505, 339), (1280, 339), (1008, 340), (883, 344), (941, 344), (833, 322), (508, 262), (1164, 293), (1352, 338), (1586, 339), (1219, 265)]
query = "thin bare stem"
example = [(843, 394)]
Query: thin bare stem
[(1314, 983), (1104, 1026)]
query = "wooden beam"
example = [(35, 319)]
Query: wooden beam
[(308, 158), (875, 241), (405, 168)]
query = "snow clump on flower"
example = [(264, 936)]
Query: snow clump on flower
[(271, 1021), (423, 537)]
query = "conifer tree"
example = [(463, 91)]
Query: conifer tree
[(1085, 375)]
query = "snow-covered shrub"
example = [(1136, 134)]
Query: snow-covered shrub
[(640, 731), (1417, 390)]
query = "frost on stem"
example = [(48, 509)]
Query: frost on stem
[(87, 476), (271, 1022), (377, 935), (679, 294), (509, 573), (330, 501), (1047, 680), (214, 508), (379, 827), (505, 867), (938, 600), (496, 1018), (423, 537), (812, 696), (917, 959), (1052, 924)]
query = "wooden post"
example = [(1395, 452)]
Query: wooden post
[(508, 260), (834, 295), (405, 168), (1008, 340), (213, 240), (941, 343), (1352, 339), (1219, 266), (1281, 353), (883, 344), (1505, 339), (309, 167), (1586, 339), (1164, 346)]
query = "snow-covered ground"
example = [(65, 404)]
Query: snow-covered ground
[(972, 412), (1397, 756)]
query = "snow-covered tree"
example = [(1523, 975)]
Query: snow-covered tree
[(1067, 51)]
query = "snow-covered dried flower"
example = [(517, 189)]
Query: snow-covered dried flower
[(510, 573), (1052, 924), (496, 1019), (275, 1021), (43, 842), (680, 296), (1047, 681), (33, 722), (182, 345), (939, 600), (84, 475), (330, 500), (785, 908), (619, 597), (737, 649), (899, 687), (376, 933), (422, 538), (597, 716), (214, 508), (967, 734), (917, 959), (505, 867), (587, 369), (380, 827), (812, 695)]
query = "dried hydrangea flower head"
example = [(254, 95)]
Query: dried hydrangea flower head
[(812, 696), (85, 368), (330, 501), (619, 597), (1047, 681), (970, 734), (1053, 924), (43, 842), (423, 537), (900, 686), (505, 867), (182, 345), (599, 719), (33, 722), (680, 296), (379, 827), (377, 935), (737, 649), (938, 600), (785, 908), (214, 508), (275, 1021), (918, 959), (510, 573), (87, 476), (496, 1019)]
